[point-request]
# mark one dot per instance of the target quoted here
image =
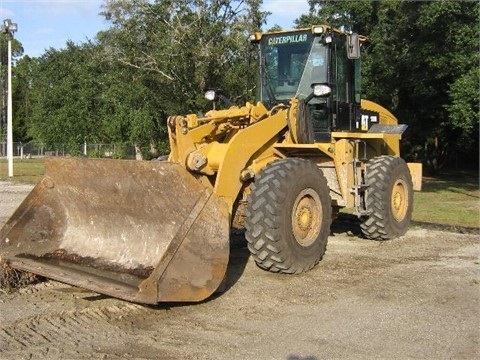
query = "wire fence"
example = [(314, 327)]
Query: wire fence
[(34, 149)]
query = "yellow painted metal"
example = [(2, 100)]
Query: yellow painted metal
[(416, 171), (378, 143), (252, 140), (324, 29), (386, 117), (225, 142), (399, 200), (306, 217), (343, 160), (391, 141), (262, 159), (336, 161), (301, 150), (364, 135), (180, 144), (292, 121), (189, 133), (215, 152)]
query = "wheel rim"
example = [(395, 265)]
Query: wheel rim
[(399, 203), (306, 215)]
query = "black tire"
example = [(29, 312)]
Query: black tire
[(288, 216), (389, 197)]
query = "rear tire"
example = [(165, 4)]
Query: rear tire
[(390, 198), (288, 216)]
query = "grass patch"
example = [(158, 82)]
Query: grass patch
[(453, 199), (24, 170)]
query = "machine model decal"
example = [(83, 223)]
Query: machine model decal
[(280, 40)]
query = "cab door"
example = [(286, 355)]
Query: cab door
[(346, 90)]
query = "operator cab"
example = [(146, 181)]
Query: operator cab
[(290, 63)]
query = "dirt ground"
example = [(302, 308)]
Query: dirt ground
[(417, 297)]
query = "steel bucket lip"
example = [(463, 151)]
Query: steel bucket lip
[(104, 282)]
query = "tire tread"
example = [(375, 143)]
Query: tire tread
[(263, 232), (377, 226)]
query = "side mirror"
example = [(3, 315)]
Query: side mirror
[(353, 46)]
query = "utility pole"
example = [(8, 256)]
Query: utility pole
[(9, 28)]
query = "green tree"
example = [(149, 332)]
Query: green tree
[(21, 97), (177, 49), (64, 97), (77, 96), (185, 46), (422, 63), (155, 60)]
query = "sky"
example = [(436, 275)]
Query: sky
[(45, 24)]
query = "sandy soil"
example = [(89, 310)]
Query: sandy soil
[(417, 297)]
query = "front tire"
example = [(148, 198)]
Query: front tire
[(288, 216), (389, 197)]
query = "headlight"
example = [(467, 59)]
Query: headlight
[(255, 38), (317, 30), (210, 95), (321, 90)]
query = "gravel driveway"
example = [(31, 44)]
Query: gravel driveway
[(416, 297)]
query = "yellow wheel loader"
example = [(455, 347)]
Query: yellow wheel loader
[(281, 168)]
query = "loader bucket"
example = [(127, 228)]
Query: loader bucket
[(141, 231)]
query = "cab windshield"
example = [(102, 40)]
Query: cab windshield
[(289, 64)]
